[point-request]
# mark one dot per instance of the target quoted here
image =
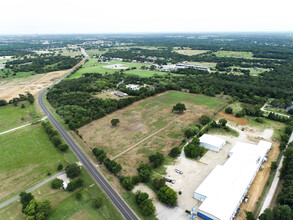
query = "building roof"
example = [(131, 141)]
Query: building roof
[(226, 185), (212, 140)]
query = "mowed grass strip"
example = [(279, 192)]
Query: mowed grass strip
[(12, 117), (26, 156)]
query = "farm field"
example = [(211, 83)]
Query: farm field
[(235, 54), (92, 66), (190, 52), (147, 126), (35, 156), (66, 206), (12, 117)]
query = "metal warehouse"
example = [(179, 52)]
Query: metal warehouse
[(222, 192), (212, 142)]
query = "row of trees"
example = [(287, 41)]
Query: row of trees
[(54, 137)]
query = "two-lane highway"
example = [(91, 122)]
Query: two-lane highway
[(121, 205)]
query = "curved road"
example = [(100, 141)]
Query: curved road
[(125, 210)]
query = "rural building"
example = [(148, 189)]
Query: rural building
[(222, 192), (132, 86), (212, 142), (120, 94)]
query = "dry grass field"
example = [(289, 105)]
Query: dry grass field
[(190, 52), (147, 126)]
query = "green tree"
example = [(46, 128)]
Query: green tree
[(175, 152), (266, 215), (205, 119), (167, 196), (229, 110), (25, 198), (249, 216), (115, 121), (22, 106), (144, 176), (60, 167), (159, 183), (147, 207), (141, 196), (179, 107), (156, 159), (223, 122), (56, 183), (282, 212), (63, 147), (127, 183), (72, 170)]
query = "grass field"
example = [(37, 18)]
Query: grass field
[(17, 75), (67, 52), (96, 52), (66, 206), (207, 64), (147, 126), (26, 156), (11, 117), (190, 52), (145, 73), (254, 72), (92, 66), (235, 54)]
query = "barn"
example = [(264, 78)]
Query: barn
[(223, 191), (212, 142)]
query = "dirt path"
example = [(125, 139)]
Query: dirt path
[(141, 141), (259, 182)]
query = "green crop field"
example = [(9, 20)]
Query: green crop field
[(92, 66), (26, 156), (11, 117)]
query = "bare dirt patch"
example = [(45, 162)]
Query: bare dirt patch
[(230, 117), (13, 87)]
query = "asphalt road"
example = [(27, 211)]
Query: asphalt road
[(31, 189), (125, 210)]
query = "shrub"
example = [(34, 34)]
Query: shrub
[(156, 159), (60, 167), (229, 110), (56, 183), (205, 119), (97, 203), (175, 152), (167, 196)]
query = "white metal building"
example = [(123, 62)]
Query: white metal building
[(212, 142), (222, 192)]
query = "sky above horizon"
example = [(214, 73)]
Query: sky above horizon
[(126, 16)]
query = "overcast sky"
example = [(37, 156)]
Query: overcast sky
[(118, 16)]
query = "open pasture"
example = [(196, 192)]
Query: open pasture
[(147, 126), (26, 156), (190, 52)]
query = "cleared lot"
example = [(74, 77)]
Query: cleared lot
[(147, 126)]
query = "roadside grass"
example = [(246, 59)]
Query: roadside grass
[(12, 117), (71, 208), (267, 124), (129, 197), (66, 206), (26, 157)]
